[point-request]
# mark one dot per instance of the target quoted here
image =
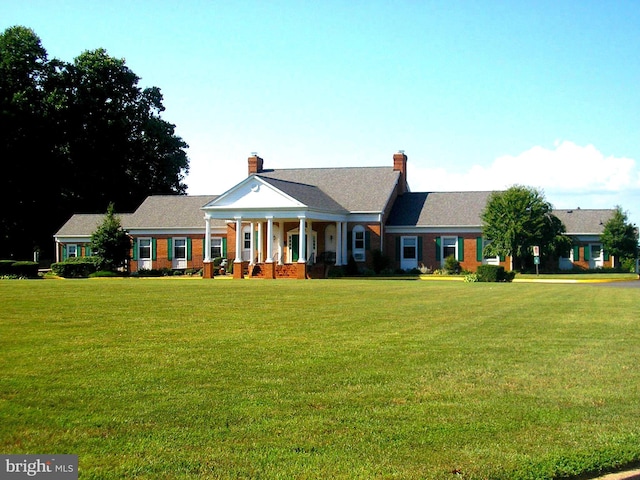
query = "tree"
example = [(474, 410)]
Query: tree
[(619, 237), (75, 137), (110, 242), (518, 218)]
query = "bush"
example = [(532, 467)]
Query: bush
[(451, 265), (75, 267), (25, 269), (105, 274), (494, 273), (379, 261), (19, 269), (5, 267)]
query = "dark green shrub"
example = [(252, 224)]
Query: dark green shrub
[(379, 261), (5, 267), (494, 273), (75, 267), (451, 265), (352, 267), (25, 269)]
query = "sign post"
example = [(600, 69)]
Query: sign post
[(536, 257)]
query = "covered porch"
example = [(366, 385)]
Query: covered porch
[(271, 247)]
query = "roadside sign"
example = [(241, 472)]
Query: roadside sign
[(536, 251)]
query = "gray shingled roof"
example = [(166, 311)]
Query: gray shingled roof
[(84, 224), (170, 211), (156, 212), (309, 195), (356, 189), (437, 209), (584, 221)]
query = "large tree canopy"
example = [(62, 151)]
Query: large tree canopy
[(76, 137), (517, 219)]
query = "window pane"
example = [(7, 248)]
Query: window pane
[(180, 248), (216, 247), (247, 240), (144, 248)]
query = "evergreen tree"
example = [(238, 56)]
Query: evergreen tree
[(111, 243)]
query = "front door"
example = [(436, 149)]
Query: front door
[(409, 253), (294, 246), (145, 247)]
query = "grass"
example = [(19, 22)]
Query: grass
[(173, 378)]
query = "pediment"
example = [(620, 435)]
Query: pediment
[(253, 193)]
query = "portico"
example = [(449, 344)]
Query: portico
[(269, 227)]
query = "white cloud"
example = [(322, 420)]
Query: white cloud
[(566, 168), (570, 176)]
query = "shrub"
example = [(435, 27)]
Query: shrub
[(352, 267), (18, 269), (104, 273), (471, 278), (5, 267), (75, 267), (379, 261), (494, 273), (451, 265), (25, 269)]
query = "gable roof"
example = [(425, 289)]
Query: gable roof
[(355, 189), (84, 224), (439, 209), (156, 212), (170, 211), (584, 221), (309, 195)]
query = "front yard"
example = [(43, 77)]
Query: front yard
[(170, 378)]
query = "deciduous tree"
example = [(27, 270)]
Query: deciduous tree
[(620, 237), (518, 218)]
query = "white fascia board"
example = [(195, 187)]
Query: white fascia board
[(364, 217), (142, 232), (284, 214), (439, 229), (72, 238), (252, 193)]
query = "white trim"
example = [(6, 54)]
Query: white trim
[(443, 230)]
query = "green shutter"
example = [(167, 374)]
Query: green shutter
[(438, 249), (606, 256), (87, 250), (502, 258), (349, 241), (367, 240), (479, 248), (398, 246), (154, 249), (460, 249), (169, 248), (576, 253), (587, 252), (135, 249), (419, 249), (188, 248), (64, 252), (224, 247)]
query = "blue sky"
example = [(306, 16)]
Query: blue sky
[(479, 94)]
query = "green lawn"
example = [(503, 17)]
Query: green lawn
[(173, 378)]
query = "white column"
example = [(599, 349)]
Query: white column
[(238, 258), (310, 240), (338, 243), (207, 238), (281, 243), (252, 240), (270, 240), (344, 243), (260, 240), (302, 254)]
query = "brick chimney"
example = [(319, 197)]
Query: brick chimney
[(255, 164), (400, 165)]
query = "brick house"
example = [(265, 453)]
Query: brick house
[(299, 222)]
